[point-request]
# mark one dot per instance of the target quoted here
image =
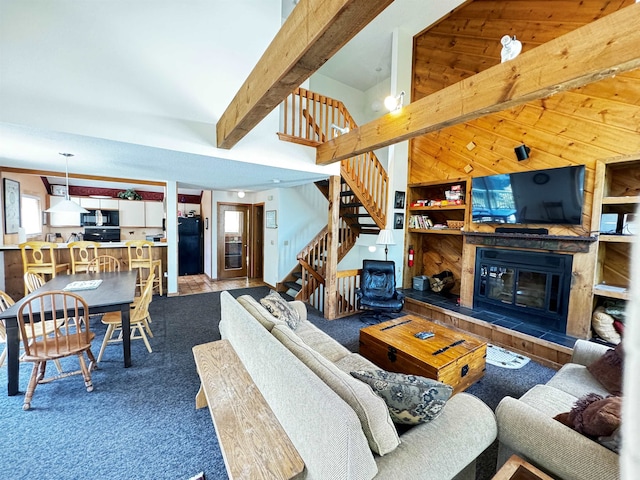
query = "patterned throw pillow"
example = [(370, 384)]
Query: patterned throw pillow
[(279, 308), (411, 399)]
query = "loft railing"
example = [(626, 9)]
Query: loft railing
[(307, 119)]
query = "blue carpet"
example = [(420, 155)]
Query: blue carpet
[(141, 422)]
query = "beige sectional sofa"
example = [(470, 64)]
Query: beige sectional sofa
[(342, 429), (526, 425)]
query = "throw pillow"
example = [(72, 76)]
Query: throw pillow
[(608, 370), (602, 323), (595, 416), (279, 308), (410, 399)]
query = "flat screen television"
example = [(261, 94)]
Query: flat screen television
[(551, 196)]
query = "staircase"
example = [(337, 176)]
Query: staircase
[(309, 119)]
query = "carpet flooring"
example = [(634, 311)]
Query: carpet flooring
[(141, 422)]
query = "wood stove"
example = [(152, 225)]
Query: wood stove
[(530, 286)]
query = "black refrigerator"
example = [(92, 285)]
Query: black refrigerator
[(190, 246)]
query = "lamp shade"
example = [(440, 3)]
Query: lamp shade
[(66, 206), (385, 237)]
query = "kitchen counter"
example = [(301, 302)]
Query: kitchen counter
[(14, 272), (102, 245)]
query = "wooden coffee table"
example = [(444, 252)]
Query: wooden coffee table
[(450, 356)]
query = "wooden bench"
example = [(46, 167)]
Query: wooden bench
[(253, 443)]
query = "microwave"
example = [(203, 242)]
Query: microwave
[(100, 218)]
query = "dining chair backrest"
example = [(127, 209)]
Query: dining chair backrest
[(104, 263), (81, 254), (5, 302), (139, 254), (141, 309), (40, 258), (70, 315), (32, 281)]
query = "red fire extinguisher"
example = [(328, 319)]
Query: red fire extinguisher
[(410, 259)]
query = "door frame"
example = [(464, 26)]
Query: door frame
[(221, 207), (256, 241)]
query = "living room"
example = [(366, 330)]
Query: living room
[(564, 140)]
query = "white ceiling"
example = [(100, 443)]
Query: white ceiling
[(139, 99)]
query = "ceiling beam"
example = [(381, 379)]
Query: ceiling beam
[(313, 33), (590, 53)]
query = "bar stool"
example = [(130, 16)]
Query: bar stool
[(140, 257), (80, 253), (40, 258)]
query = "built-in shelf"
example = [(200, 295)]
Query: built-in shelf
[(612, 291), (437, 231), (620, 200), (617, 238), (561, 243), (437, 208)]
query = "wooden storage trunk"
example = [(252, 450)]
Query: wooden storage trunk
[(393, 346)]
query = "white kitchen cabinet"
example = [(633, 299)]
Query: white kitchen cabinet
[(131, 213), (153, 214), (100, 203), (63, 219)]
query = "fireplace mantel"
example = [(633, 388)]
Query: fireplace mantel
[(554, 243)]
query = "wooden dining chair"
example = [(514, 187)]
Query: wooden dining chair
[(70, 336), (32, 281), (139, 321), (104, 263), (141, 259), (81, 254), (40, 258), (5, 302)]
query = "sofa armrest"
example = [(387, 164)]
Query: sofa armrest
[(299, 307), (552, 446), (585, 352), (445, 446)]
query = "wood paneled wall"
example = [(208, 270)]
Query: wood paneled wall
[(600, 120)]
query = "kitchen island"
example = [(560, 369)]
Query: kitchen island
[(13, 270)]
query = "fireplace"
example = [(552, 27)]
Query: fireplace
[(530, 286)]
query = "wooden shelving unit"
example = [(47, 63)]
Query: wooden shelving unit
[(617, 191), (437, 248)]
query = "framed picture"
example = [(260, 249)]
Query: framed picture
[(398, 221), (271, 220), (399, 201), (11, 206)]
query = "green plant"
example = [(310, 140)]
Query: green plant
[(130, 194)]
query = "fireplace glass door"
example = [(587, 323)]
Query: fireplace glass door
[(533, 287)]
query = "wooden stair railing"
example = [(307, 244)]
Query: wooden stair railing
[(308, 118)]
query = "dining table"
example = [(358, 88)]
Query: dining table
[(116, 292)]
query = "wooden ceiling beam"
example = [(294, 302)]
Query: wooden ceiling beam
[(313, 33), (601, 49)]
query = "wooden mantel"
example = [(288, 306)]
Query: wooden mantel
[(559, 243)]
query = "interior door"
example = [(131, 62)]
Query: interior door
[(256, 241), (233, 233)]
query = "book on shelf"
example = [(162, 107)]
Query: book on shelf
[(420, 221)]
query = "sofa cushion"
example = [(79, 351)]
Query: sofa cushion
[(608, 370), (279, 308), (258, 312), (321, 342), (370, 408), (411, 399), (576, 380)]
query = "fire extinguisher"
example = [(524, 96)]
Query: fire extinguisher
[(410, 259)]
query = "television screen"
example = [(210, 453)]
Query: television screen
[(552, 196)]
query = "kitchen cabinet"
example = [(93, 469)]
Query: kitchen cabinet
[(153, 214), (63, 219), (131, 213), (100, 203)]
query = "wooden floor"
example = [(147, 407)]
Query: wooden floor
[(192, 284)]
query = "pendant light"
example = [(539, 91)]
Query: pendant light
[(67, 205)]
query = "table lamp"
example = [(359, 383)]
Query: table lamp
[(385, 237)]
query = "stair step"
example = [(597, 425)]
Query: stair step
[(346, 193), (368, 225), (366, 231), (297, 274), (293, 286), (286, 296), (350, 204), (355, 215)]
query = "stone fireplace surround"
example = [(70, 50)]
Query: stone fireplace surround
[(579, 247)]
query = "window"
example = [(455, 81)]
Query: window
[(31, 214)]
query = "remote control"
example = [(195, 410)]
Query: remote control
[(424, 335)]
